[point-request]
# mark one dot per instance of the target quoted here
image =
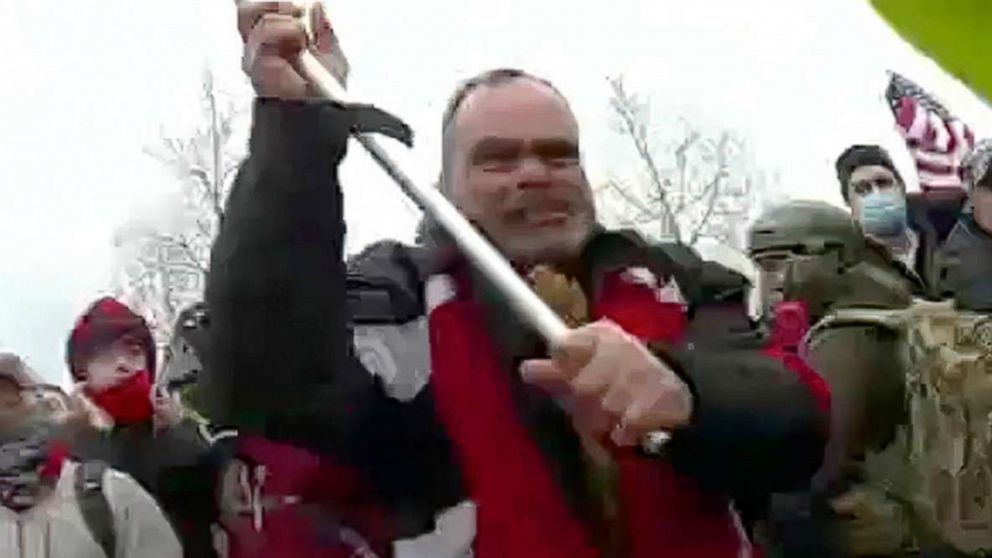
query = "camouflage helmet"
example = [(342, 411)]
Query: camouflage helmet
[(806, 228)]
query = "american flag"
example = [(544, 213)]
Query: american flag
[(937, 140)]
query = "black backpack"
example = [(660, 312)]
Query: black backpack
[(94, 506)]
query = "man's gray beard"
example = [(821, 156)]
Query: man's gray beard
[(566, 246)]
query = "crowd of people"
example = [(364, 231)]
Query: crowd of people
[(393, 404)]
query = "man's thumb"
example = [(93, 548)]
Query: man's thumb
[(575, 351)]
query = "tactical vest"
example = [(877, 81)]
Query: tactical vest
[(938, 454), (949, 383)]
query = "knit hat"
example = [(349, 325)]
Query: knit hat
[(861, 156), (104, 322), (13, 368)]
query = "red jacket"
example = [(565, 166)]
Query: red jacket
[(281, 500), (665, 513), (791, 324)]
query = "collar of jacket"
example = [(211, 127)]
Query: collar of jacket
[(878, 255), (606, 252), (385, 281)]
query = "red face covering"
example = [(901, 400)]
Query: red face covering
[(129, 401)]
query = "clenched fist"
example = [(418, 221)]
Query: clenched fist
[(274, 34), (613, 384)]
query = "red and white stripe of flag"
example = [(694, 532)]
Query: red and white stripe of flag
[(937, 145)]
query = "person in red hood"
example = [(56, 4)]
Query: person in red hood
[(111, 356)]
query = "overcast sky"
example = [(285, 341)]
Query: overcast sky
[(88, 84)]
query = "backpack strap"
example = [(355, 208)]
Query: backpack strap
[(94, 505)]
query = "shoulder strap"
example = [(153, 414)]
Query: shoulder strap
[(94, 505), (892, 320)]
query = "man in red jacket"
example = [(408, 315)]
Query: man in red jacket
[(408, 365)]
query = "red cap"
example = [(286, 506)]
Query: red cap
[(104, 322)]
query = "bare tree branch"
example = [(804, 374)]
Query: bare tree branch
[(194, 258), (708, 189), (698, 184), (681, 162), (714, 188), (203, 228), (626, 109), (170, 267), (612, 185), (707, 215), (216, 143)]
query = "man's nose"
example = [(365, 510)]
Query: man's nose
[(533, 173)]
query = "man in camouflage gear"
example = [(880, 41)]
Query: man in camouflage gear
[(906, 470), (817, 254)]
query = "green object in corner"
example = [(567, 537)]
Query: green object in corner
[(954, 33)]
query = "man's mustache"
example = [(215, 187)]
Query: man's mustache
[(543, 201)]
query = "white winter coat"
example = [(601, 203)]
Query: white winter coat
[(55, 528)]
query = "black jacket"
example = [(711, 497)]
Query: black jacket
[(932, 218), (966, 266), (285, 307)]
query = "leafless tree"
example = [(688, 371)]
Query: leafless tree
[(166, 269), (695, 186)]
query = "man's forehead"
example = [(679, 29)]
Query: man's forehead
[(521, 109), (868, 171)]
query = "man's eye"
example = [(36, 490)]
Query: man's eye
[(562, 161), (558, 153), (502, 163)]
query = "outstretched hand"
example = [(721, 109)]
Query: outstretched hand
[(612, 384)]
